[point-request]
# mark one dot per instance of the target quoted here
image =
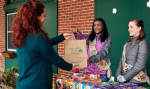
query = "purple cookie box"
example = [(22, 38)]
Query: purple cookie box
[(128, 85)]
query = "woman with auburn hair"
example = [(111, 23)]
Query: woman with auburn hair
[(132, 66), (35, 52)]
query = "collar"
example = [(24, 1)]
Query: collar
[(133, 39)]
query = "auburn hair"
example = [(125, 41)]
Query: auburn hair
[(26, 22), (142, 34)]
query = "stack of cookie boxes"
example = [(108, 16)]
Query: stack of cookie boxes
[(79, 82)]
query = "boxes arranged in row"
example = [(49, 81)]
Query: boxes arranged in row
[(91, 81)]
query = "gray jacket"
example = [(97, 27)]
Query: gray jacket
[(136, 55), (104, 51)]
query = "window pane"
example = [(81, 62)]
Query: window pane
[(9, 28), (10, 45), (11, 18), (14, 1)]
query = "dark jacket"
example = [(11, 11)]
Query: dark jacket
[(36, 57)]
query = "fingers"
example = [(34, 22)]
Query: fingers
[(68, 36), (120, 79), (74, 66), (72, 37), (74, 30)]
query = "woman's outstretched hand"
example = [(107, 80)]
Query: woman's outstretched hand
[(74, 66), (68, 36)]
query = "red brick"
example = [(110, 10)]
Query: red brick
[(2, 33), (74, 14)]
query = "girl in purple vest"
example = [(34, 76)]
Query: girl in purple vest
[(98, 47)]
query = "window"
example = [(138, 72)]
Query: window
[(14, 1), (10, 18)]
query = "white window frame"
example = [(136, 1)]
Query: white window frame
[(14, 1), (9, 32)]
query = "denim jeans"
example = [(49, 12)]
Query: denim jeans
[(103, 77)]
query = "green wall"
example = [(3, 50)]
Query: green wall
[(118, 24), (50, 25)]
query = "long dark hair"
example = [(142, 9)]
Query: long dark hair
[(142, 34), (104, 33)]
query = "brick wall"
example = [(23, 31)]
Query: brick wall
[(2, 33), (74, 14)]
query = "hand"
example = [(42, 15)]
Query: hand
[(68, 36), (74, 30), (88, 62), (119, 79), (74, 66)]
